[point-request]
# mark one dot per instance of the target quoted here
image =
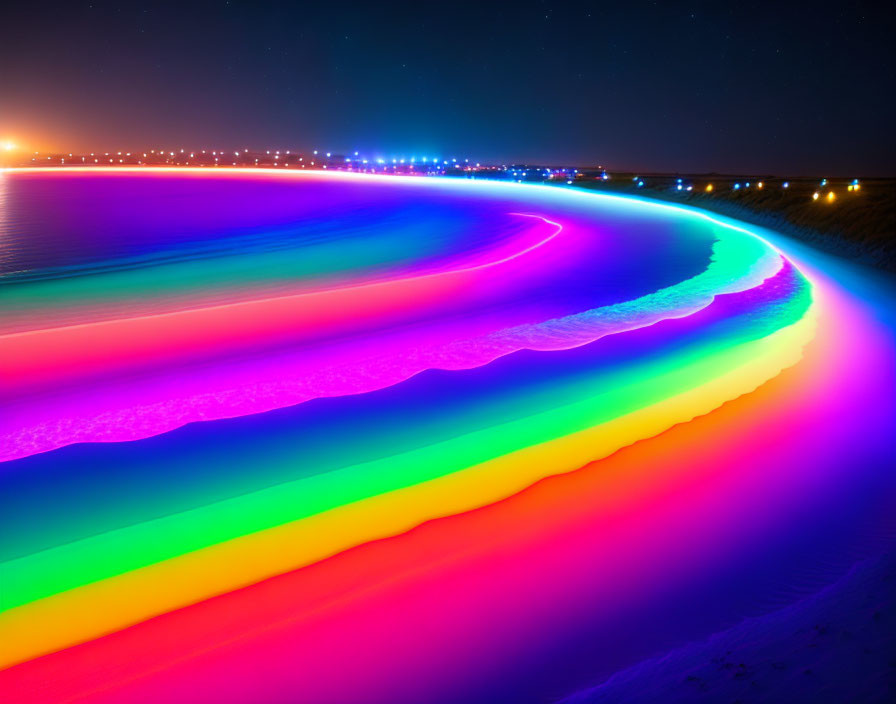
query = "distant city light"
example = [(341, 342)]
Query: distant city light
[(409, 166)]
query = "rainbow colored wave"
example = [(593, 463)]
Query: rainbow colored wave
[(334, 438)]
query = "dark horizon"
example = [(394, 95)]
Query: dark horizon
[(797, 90)]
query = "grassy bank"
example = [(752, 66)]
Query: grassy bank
[(858, 223)]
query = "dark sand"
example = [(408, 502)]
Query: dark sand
[(838, 645)]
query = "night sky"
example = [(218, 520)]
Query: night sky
[(783, 87)]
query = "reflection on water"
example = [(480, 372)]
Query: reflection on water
[(372, 439)]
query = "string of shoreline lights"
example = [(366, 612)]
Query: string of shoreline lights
[(852, 187), (413, 165)]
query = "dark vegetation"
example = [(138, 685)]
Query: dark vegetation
[(859, 224)]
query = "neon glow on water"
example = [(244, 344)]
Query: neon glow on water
[(332, 437)]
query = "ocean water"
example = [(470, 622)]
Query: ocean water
[(330, 437)]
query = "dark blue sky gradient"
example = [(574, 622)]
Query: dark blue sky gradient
[(783, 87)]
